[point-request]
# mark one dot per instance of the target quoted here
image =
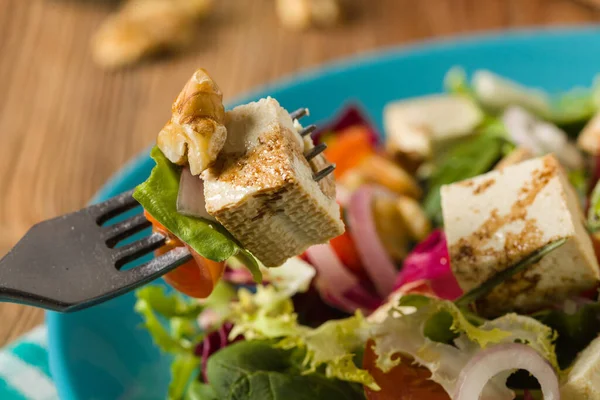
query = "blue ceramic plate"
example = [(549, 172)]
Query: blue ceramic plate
[(101, 353)]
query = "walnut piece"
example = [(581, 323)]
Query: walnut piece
[(302, 14), (413, 217), (146, 27), (196, 132)]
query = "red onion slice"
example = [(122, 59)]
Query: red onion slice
[(190, 199), (341, 303), (360, 295), (503, 357), (377, 263), (338, 286), (330, 269)]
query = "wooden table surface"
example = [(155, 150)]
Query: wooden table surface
[(66, 125)]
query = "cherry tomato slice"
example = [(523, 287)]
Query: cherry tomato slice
[(406, 381), (197, 277), (345, 249)]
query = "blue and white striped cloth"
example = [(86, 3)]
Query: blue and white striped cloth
[(24, 369)]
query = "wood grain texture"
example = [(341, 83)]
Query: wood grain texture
[(66, 126)]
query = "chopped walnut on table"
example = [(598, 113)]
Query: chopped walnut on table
[(141, 28), (302, 14), (196, 132)]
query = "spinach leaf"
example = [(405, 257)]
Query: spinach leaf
[(575, 329), (158, 195), (466, 159), (255, 370)]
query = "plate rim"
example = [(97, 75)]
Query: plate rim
[(58, 363)]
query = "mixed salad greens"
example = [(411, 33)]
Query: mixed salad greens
[(382, 311)]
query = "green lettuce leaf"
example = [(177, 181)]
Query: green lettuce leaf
[(200, 391), (593, 217), (217, 305), (168, 305), (158, 195), (573, 106), (256, 370), (405, 333), (156, 308), (269, 314), (171, 321), (183, 370), (265, 314), (456, 82), (569, 110), (436, 333), (334, 345)]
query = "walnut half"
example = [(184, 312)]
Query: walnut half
[(196, 132), (302, 14), (145, 27)]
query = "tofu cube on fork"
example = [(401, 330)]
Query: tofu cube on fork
[(270, 187)]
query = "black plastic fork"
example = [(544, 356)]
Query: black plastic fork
[(73, 261)]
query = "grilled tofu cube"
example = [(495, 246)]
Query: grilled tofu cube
[(495, 220), (419, 128), (261, 187), (516, 156), (583, 380)]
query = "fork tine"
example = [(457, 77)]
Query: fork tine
[(308, 130), (299, 113), (324, 172), (315, 151), (121, 230), (113, 206), (156, 267), (135, 250)]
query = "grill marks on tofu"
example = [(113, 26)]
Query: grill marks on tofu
[(266, 165), (495, 220), (261, 188), (528, 239)]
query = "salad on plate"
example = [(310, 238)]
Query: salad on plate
[(455, 259)]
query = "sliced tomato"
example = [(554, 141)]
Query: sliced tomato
[(349, 148), (345, 249), (157, 226), (197, 277), (406, 381)]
